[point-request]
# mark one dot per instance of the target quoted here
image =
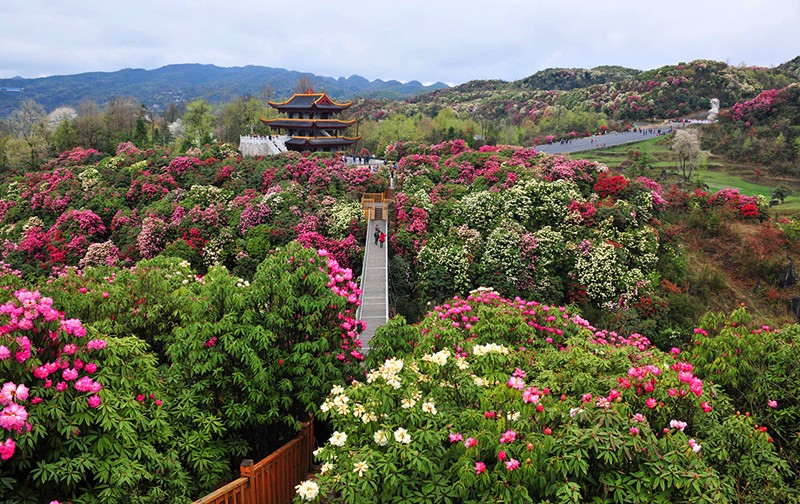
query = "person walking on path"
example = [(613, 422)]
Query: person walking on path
[(377, 234), (382, 238)]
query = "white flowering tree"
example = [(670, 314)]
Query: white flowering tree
[(686, 146)]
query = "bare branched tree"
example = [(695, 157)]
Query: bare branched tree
[(304, 83), (28, 123)]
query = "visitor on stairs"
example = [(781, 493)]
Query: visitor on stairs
[(382, 238)]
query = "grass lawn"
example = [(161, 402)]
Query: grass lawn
[(715, 177), (716, 180)]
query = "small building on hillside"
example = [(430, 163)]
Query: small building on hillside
[(309, 124)]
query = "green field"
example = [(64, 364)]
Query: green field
[(715, 176)]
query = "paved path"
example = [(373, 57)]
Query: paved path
[(602, 141), (374, 308)]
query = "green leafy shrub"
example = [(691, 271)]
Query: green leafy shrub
[(84, 436), (755, 366)]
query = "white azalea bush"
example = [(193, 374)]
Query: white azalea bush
[(600, 266), (480, 210), (503, 264), (445, 266), (514, 401), (341, 217), (535, 202)]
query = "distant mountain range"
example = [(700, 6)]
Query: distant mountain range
[(619, 92), (186, 82)]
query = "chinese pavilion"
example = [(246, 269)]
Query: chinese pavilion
[(311, 124)]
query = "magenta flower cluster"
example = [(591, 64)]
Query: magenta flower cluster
[(342, 284), (47, 347), (759, 106)]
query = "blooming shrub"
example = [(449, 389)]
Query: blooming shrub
[(444, 267), (757, 107), (754, 366), (151, 238), (610, 185), (97, 254), (342, 216), (265, 346), (502, 263), (64, 398), (486, 408), (480, 210)]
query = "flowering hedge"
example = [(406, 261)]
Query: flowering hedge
[(200, 207)]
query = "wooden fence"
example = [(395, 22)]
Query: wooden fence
[(271, 480)]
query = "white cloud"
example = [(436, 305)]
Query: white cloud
[(451, 41)]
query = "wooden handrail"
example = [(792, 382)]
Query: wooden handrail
[(272, 479)]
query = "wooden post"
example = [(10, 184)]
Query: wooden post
[(246, 471)]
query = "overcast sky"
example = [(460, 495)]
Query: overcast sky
[(452, 41)]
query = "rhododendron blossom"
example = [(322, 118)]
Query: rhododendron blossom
[(13, 417), (12, 392), (677, 424), (7, 449)]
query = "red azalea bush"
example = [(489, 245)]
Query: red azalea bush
[(610, 185)]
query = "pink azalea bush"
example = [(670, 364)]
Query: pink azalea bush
[(51, 352), (143, 389), (54, 389)]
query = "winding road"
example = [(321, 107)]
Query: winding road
[(608, 140)]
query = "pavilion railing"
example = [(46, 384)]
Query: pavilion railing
[(272, 479), (369, 201)]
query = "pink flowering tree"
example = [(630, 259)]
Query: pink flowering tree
[(70, 425)]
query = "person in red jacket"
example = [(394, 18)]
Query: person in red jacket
[(382, 239)]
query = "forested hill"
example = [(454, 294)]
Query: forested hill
[(574, 78), (186, 82), (616, 92)]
